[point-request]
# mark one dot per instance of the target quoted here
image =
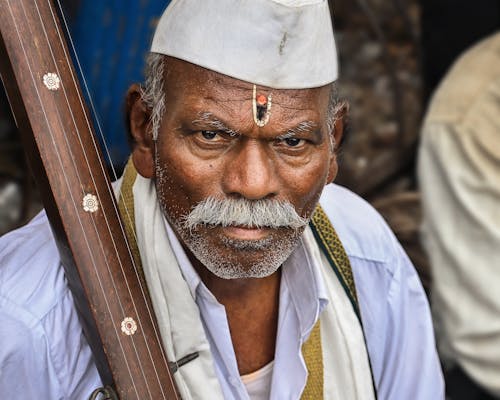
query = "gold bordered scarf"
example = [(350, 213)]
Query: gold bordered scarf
[(332, 247), (329, 243)]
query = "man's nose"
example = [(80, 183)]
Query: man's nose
[(251, 173)]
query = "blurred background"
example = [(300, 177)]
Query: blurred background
[(392, 55)]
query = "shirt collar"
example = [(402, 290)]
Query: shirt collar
[(304, 280), (301, 274)]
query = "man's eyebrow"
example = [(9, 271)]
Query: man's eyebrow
[(207, 118), (303, 127)]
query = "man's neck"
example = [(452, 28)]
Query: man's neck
[(252, 307)]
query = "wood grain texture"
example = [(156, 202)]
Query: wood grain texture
[(65, 156)]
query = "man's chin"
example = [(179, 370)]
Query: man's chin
[(249, 268), (248, 246), (240, 259), (231, 258)]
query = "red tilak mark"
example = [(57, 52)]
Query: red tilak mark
[(261, 100)]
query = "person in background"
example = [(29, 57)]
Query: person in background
[(459, 174)]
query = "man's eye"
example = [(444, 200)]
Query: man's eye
[(209, 135), (293, 142)]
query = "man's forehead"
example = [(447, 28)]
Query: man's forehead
[(184, 79)]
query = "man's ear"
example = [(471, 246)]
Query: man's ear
[(337, 134), (140, 131)]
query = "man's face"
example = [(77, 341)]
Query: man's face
[(210, 147)]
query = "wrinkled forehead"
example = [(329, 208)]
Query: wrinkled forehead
[(189, 84)]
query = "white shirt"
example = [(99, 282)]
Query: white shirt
[(43, 354), (302, 298), (258, 383)]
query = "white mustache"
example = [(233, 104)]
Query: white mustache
[(244, 212)]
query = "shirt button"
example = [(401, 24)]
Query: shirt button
[(234, 381)]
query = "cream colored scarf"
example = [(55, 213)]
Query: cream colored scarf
[(346, 372)]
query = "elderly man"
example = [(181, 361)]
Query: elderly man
[(234, 139)]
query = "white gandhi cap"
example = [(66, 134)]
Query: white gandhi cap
[(283, 44)]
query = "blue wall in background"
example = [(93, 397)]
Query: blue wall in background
[(112, 38)]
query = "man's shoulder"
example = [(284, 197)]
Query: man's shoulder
[(461, 92), (31, 276), (394, 309), (361, 229), (42, 353)]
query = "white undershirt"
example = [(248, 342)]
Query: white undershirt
[(258, 383)]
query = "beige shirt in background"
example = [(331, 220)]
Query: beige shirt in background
[(459, 173)]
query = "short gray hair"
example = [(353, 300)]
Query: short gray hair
[(335, 106), (153, 95)]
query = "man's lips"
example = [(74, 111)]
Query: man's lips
[(245, 232)]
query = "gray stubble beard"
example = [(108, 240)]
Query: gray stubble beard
[(273, 252)]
